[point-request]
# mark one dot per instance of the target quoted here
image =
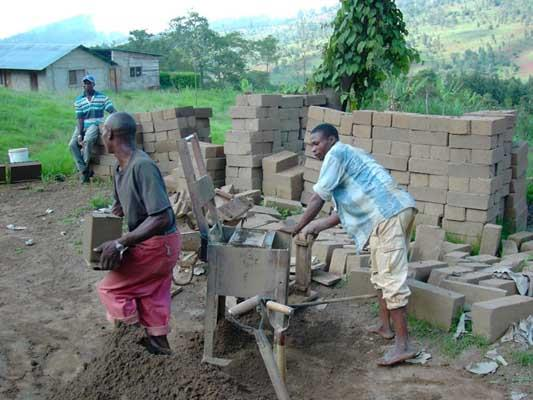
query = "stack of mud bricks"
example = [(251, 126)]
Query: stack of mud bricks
[(282, 176), (157, 135), (215, 164), (463, 172), (255, 125)]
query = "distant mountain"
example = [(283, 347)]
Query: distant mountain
[(79, 29)]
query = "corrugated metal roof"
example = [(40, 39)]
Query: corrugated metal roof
[(34, 56)]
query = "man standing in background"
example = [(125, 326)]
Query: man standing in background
[(90, 107)]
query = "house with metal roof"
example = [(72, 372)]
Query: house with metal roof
[(58, 67)]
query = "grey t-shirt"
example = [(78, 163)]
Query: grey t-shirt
[(141, 191)]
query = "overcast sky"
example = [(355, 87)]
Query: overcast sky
[(153, 15)]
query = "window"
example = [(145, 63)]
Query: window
[(136, 71), (75, 76)]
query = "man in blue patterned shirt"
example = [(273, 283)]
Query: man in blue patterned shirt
[(370, 206), (90, 107)]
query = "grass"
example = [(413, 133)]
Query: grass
[(523, 358), (98, 202), (444, 341), (453, 238), (44, 122)]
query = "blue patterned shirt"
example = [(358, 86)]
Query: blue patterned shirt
[(92, 111), (363, 192)]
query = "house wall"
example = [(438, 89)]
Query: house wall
[(57, 74), (150, 70)]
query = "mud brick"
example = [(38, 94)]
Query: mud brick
[(441, 153), (291, 124), (429, 138), (147, 126), (247, 148), (449, 247), (250, 112), (400, 149), (402, 177), (462, 229), (365, 144), (519, 152), (521, 237), (282, 203), (346, 139), (518, 171), (439, 275), (173, 134), (317, 114), (264, 100), (454, 213), (203, 112), (161, 136), (169, 113), (392, 162), (357, 261), (99, 228), (428, 166), (157, 115), (291, 101), (460, 155), (483, 216), (249, 137), (488, 157), (526, 246), (363, 117), (433, 304), (210, 150), (400, 120), (313, 164), (323, 250), (184, 112), (428, 243), (145, 117), (434, 209), (333, 117), (492, 318), (315, 99), (485, 186), (420, 151), (339, 260), (362, 131), (488, 125), (466, 170), (473, 142), (242, 100), (459, 184), (419, 122), (518, 186), (424, 219), (421, 270), (311, 175), (253, 161), (383, 119), (473, 293), (3, 174), (419, 180), (279, 162), (455, 256), (509, 247), (358, 282), (459, 125), (346, 124), (469, 200), (289, 113), (166, 146), (26, 171), (438, 124), (165, 124), (438, 182), (255, 124), (250, 174), (398, 135), (382, 146), (473, 277), (504, 284)]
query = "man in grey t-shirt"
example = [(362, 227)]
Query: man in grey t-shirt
[(137, 290)]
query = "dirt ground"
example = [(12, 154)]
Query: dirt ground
[(56, 344)]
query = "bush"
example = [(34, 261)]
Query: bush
[(179, 80)]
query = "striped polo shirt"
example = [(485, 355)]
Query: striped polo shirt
[(363, 192), (92, 111)]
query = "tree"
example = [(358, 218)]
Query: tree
[(268, 51), (367, 45)]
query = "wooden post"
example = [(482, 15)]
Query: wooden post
[(303, 264)]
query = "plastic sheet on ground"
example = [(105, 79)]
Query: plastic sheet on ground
[(518, 396), (494, 356), (461, 326), (521, 332), (421, 358), (482, 368), (521, 281)]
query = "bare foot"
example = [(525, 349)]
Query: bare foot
[(385, 333), (396, 355)]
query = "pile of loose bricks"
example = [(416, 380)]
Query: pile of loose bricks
[(157, 135), (261, 125), (463, 172)]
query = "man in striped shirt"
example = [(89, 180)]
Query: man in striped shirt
[(90, 107), (370, 206)]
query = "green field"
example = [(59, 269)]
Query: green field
[(44, 122)]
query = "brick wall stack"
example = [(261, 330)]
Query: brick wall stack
[(282, 176), (157, 135), (215, 163), (255, 125), (290, 109), (462, 171)]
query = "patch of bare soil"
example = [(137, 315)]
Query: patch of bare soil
[(55, 342)]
